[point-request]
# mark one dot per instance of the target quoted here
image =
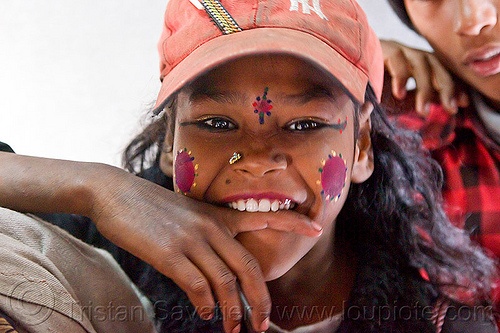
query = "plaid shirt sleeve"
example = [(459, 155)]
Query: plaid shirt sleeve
[(471, 162)]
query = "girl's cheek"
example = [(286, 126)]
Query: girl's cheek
[(333, 168), (333, 176), (185, 171)]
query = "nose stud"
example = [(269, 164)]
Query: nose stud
[(235, 158)]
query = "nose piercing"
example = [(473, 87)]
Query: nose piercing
[(235, 158)]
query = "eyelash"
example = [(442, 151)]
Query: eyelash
[(220, 124), (216, 124), (303, 125)]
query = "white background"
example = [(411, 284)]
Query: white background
[(76, 77)]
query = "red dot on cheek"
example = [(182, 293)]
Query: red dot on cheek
[(333, 176), (184, 171)]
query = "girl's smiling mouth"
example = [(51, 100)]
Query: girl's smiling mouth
[(262, 205), (261, 202)]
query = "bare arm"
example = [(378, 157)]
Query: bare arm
[(182, 238)]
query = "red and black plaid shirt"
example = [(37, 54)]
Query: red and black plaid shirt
[(471, 165)]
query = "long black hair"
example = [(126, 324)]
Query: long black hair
[(412, 253), (394, 222)]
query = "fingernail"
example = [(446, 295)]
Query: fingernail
[(402, 93), (265, 325), (427, 109), (236, 329), (316, 226), (453, 105)]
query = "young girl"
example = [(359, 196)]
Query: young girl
[(270, 111)]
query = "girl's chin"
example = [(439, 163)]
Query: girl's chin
[(276, 251)]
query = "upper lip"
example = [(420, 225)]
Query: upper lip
[(481, 53)]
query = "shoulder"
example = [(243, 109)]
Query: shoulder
[(437, 130)]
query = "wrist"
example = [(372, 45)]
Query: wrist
[(101, 184)]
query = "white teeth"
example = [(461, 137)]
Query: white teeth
[(275, 206), (252, 205), (263, 205), (287, 204)]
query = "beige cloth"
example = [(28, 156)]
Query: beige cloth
[(52, 282)]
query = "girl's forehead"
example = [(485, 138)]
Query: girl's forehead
[(283, 73)]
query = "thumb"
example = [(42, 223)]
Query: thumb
[(282, 220)]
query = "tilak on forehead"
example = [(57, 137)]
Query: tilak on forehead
[(262, 106)]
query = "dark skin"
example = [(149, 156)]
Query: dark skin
[(328, 296), (192, 242), (132, 212), (213, 121)]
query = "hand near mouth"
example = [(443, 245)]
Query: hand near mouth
[(193, 243), (189, 241), (282, 220)]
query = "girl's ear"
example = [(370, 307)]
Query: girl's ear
[(363, 165), (167, 155)]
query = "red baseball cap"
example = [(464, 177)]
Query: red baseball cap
[(334, 35)]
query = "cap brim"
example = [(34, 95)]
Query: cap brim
[(263, 41)]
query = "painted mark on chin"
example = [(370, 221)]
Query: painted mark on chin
[(185, 171), (333, 176)]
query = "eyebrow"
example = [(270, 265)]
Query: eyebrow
[(219, 96), (233, 97), (306, 96)]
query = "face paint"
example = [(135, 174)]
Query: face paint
[(185, 171), (340, 125), (333, 176), (262, 106)]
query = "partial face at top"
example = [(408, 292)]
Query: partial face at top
[(293, 135), (466, 36)]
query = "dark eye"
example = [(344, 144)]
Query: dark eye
[(216, 124), (304, 125)]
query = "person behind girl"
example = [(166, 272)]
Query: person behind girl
[(271, 111), (465, 37)]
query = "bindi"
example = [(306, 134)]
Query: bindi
[(333, 176), (185, 171), (262, 106)]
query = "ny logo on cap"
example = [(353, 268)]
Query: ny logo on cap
[(306, 8)]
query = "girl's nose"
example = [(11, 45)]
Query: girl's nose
[(474, 16), (261, 162)]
